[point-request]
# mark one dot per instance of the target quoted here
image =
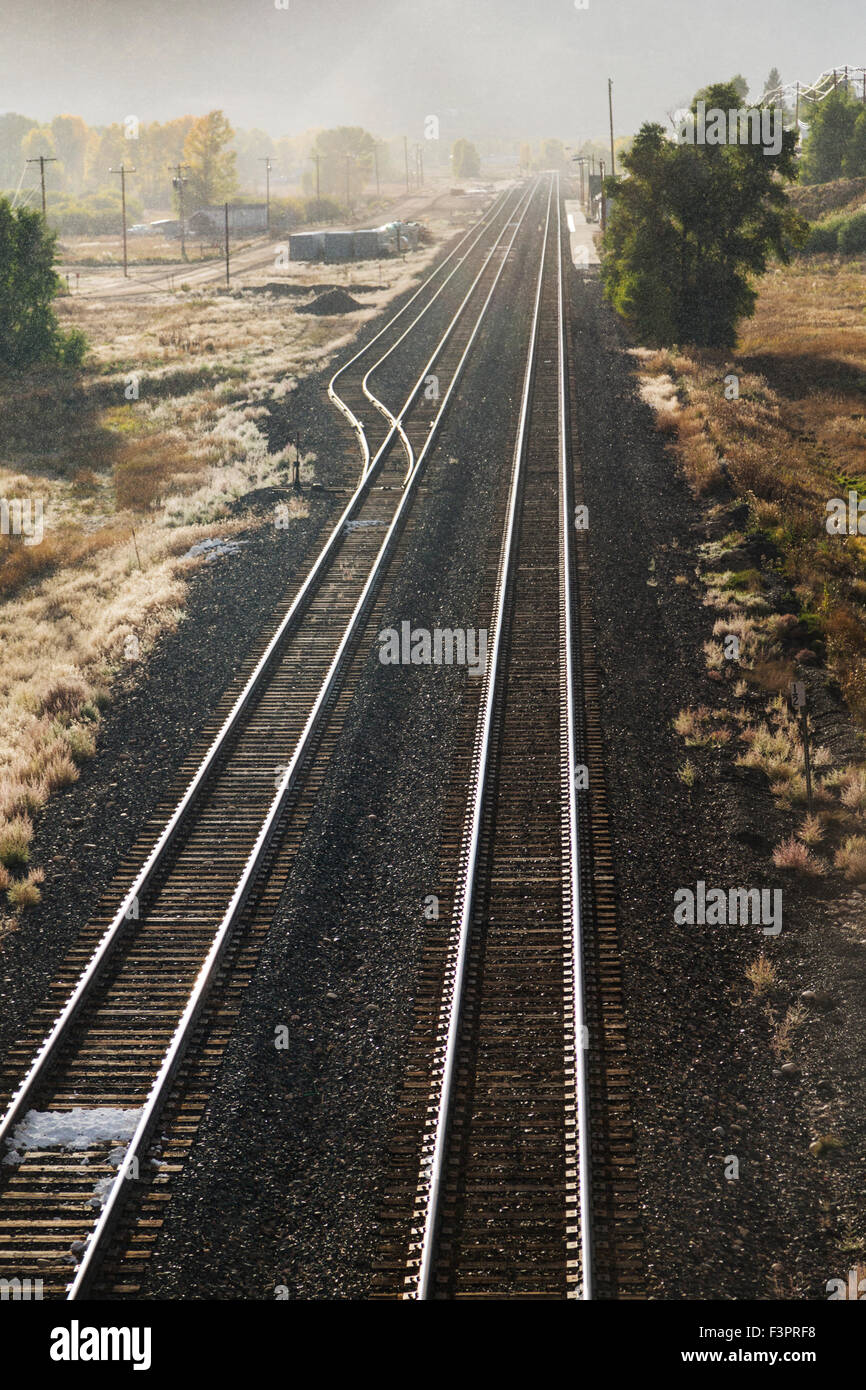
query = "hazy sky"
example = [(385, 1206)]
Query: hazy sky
[(513, 67)]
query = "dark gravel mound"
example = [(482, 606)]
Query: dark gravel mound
[(279, 287), (332, 302)]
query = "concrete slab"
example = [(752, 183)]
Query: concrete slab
[(581, 235)]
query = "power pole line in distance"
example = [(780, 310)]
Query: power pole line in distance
[(123, 171), (42, 160), (178, 182)]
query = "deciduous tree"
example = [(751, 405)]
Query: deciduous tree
[(29, 331), (691, 227), (207, 150), (832, 125)]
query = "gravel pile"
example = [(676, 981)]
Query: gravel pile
[(331, 302)]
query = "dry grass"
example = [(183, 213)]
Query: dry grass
[(687, 773), (853, 790), (851, 858), (783, 1039), (811, 832), (15, 836), (761, 974), (133, 460), (771, 750), (694, 726), (796, 857), (794, 438), (25, 892)]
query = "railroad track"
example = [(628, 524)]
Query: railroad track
[(127, 1041), (355, 396), (511, 1163)]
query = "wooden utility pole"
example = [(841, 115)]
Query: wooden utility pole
[(406, 159), (123, 171), (603, 214), (797, 113), (228, 282), (610, 109), (178, 182), (266, 160), (42, 160)]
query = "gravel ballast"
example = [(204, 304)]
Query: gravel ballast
[(288, 1166)]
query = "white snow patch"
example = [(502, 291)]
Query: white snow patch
[(70, 1129), (214, 548), (101, 1191)]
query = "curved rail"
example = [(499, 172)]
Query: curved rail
[(151, 1110), (333, 395), (126, 911), (38, 1069)]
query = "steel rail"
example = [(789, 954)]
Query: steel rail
[(465, 895), (128, 908), (574, 893), (337, 400), (365, 386), (137, 1146)]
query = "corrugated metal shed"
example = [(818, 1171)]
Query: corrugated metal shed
[(243, 217), (368, 244), (339, 246), (306, 246)]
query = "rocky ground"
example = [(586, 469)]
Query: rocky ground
[(708, 1083)]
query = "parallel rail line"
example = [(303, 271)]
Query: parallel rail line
[(119, 1037), (502, 1176)]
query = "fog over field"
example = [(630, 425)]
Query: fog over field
[(506, 68)]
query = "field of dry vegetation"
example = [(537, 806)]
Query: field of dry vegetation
[(132, 460), (792, 439)]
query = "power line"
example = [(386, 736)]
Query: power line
[(266, 160), (42, 160), (825, 85), (610, 108), (178, 182), (123, 171)]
